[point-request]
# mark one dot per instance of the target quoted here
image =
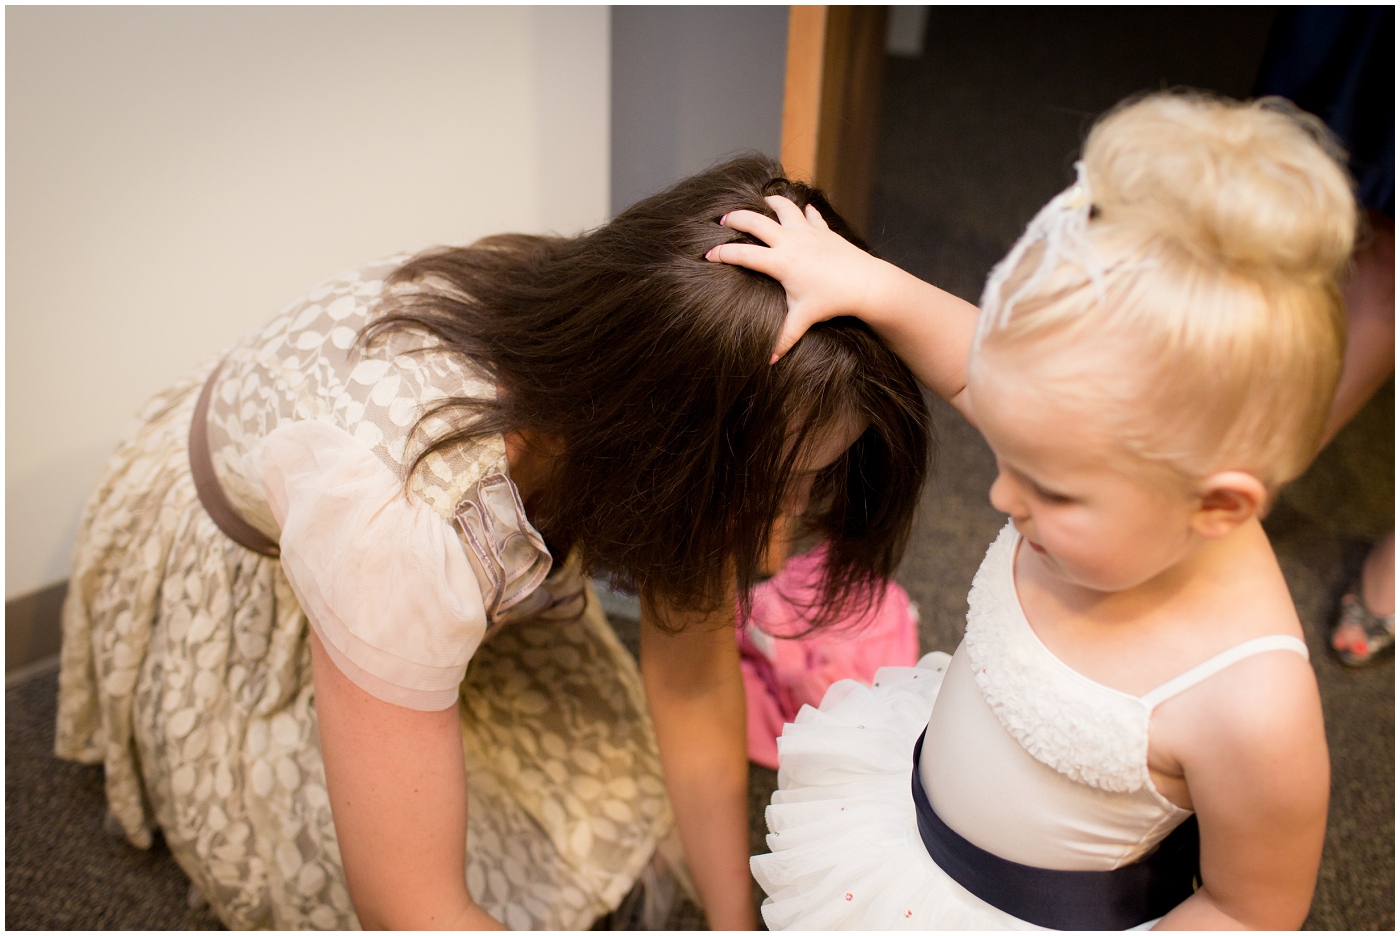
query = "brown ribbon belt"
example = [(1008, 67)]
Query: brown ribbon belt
[(207, 486)]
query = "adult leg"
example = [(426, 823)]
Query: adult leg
[(1370, 299), (1366, 623)]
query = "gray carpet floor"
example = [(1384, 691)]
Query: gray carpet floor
[(978, 133)]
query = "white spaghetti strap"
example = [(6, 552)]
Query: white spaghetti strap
[(1215, 664)]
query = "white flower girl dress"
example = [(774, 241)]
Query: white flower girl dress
[(1034, 780)]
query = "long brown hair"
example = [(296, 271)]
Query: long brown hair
[(648, 365)]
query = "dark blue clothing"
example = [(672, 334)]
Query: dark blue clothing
[(1339, 63)]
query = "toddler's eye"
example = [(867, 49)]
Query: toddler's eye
[(1052, 497)]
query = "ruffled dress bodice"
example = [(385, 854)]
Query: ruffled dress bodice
[(1031, 760)]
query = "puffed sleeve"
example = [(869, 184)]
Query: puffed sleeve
[(384, 580)]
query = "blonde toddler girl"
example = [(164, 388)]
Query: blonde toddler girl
[(1152, 361)]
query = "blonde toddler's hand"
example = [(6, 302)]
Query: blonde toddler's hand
[(824, 274)]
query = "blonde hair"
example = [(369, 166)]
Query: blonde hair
[(1210, 238)]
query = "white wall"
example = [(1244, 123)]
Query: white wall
[(175, 175)]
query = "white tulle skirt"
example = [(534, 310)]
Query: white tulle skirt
[(846, 852)]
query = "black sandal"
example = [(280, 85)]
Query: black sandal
[(1359, 637)]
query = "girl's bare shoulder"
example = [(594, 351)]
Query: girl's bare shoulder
[(1260, 710)]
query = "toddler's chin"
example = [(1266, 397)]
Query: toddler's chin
[(1098, 580)]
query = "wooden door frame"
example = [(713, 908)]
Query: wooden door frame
[(831, 102)]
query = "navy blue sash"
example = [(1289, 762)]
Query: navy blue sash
[(1066, 900)]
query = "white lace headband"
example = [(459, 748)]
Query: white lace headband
[(1061, 225)]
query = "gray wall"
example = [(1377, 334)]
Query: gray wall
[(691, 85)]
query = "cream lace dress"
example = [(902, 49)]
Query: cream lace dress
[(186, 669), (1024, 757)]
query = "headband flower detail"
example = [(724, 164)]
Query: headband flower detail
[(1062, 225)]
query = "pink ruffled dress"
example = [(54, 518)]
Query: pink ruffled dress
[(784, 671)]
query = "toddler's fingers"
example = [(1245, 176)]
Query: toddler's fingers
[(793, 329), (788, 213), (815, 219), (745, 255), (751, 222)]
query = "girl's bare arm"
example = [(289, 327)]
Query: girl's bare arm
[(398, 791), (696, 696), (1257, 770), (825, 276)]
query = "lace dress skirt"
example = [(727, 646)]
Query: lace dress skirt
[(186, 673)]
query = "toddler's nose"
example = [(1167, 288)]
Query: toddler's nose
[(1004, 497)]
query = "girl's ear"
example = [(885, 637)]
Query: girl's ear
[(1227, 499)]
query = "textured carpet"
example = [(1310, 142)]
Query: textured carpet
[(62, 871), (978, 133)]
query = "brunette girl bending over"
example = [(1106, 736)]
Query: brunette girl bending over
[(329, 625)]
